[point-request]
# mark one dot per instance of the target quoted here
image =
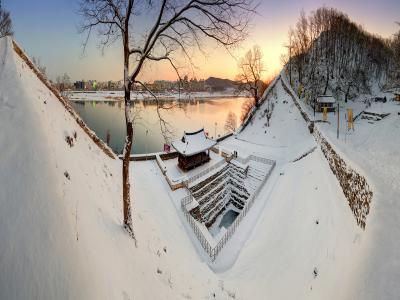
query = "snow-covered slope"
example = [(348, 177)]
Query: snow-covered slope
[(50, 225), (37, 250), (60, 213), (373, 148)]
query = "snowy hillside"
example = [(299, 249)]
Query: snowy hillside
[(373, 148), (52, 195), (61, 214)]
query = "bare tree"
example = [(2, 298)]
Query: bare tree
[(174, 27), (38, 63), (231, 122), (63, 82), (331, 53), (250, 69), (396, 48), (246, 109), (5, 23)]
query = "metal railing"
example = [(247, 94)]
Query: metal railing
[(214, 251)]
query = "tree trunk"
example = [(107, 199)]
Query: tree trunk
[(125, 166), (255, 97), (347, 94), (128, 142), (327, 81)]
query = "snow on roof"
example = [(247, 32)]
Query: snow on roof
[(193, 143), (325, 99)]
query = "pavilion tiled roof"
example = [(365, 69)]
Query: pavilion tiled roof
[(193, 143)]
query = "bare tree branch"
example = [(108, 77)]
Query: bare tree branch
[(5, 23)]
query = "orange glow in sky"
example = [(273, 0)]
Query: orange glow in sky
[(52, 36)]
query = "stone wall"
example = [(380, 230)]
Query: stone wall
[(355, 187)]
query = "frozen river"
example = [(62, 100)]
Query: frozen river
[(108, 116)]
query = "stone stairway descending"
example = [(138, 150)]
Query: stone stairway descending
[(233, 184)]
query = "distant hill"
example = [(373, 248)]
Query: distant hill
[(338, 57), (219, 84)]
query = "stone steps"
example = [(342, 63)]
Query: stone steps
[(203, 183), (230, 185), (210, 185)]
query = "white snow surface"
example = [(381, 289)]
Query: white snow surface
[(373, 149), (63, 238)]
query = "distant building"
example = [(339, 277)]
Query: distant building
[(324, 101), (79, 85)]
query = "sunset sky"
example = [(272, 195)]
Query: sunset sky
[(48, 29)]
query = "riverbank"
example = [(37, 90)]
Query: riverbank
[(119, 95)]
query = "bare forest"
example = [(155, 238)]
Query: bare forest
[(329, 53)]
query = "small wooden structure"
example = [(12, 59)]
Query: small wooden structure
[(193, 149), (324, 101), (397, 96)]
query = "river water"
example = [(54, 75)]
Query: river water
[(108, 117)]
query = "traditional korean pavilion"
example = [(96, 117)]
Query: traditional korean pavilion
[(193, 149)]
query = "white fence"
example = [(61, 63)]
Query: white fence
[(204, 172), (246, 160), (213, 251)]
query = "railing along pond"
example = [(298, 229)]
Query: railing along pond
[(214, 251)]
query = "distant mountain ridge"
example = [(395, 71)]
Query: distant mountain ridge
[(219, 84)]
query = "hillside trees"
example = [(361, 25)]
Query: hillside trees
[(395, 45), (330, 53), (5, 22), (38, 63), (63, 82), (160, 31)]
